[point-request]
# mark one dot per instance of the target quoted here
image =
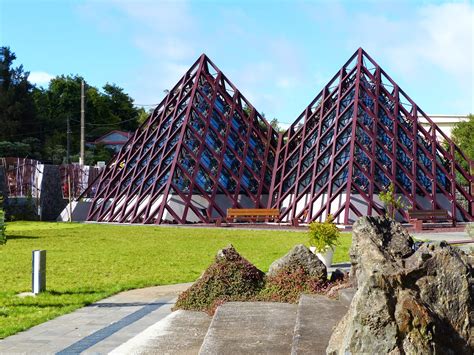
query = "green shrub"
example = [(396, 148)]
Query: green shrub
[(21, 209), (230, 278), (3, 237), (391, 202), (323, 235)]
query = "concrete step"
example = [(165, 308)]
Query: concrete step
[(182, 332), (251, 328), (316, 318), (346, 295)]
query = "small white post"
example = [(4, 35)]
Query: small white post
[(39, 271)]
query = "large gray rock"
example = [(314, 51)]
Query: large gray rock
[(413, 302), (299, 256), (377, 241)]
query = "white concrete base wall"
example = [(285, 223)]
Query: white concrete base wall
[(76, 211), (79, 210), (201, 204), (359, 203)]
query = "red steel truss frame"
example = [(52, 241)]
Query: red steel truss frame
[(360, 134), (205, 148)]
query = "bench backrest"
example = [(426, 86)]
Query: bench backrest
[(428, 213), (272, 212)]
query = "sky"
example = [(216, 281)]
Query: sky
[(279, 54)]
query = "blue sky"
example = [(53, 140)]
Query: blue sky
[(278, 53)]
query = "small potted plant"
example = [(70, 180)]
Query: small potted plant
[(323, 238)]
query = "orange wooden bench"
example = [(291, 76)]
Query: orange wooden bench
[(418, 216), (253, 214)]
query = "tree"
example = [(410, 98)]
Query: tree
[(462, 135), (143, 114), (391, 202), (274, 124), (57, 103), (121, 107), (14, 149), (33, 120), (17, 109), (105, 111)]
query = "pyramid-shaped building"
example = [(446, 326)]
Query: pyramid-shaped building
[(205, 149)]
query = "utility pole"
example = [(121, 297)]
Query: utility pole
[(68, 139), (81, 158)]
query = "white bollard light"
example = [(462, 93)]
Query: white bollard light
[(39, 271)]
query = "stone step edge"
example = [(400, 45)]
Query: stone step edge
[(298, 325)]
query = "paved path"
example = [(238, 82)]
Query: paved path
[(449, 237), (98, 328)]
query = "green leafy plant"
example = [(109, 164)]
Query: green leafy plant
[(391, 202), (323, 235)]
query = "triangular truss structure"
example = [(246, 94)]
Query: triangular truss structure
[(205, 149), (359, 135)]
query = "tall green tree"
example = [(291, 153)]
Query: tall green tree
[(17, 109), (33, 120), (462, 135), (109, 110), (57, 103), (121, 107)]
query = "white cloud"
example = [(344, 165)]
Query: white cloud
[(448, 37), (430, 43), (439, 35), (163, 31), (165, 47), (433, 40), (284, 82), (162, 16), (40, 77)]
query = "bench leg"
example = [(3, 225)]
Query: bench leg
[(417, 224)]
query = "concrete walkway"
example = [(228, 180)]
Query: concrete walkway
[(468, 242), (98, 328)]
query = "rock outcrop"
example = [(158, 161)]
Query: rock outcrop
[(407, 301), (299, 256)]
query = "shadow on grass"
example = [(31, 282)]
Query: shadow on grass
[(21, 237), (63, 293)]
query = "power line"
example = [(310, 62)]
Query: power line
[(32, 133), (106, 124)]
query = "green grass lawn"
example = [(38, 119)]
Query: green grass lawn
[(87, 262)]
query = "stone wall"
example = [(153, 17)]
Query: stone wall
[(51, 200)]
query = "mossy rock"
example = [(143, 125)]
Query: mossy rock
[(230, 278)]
